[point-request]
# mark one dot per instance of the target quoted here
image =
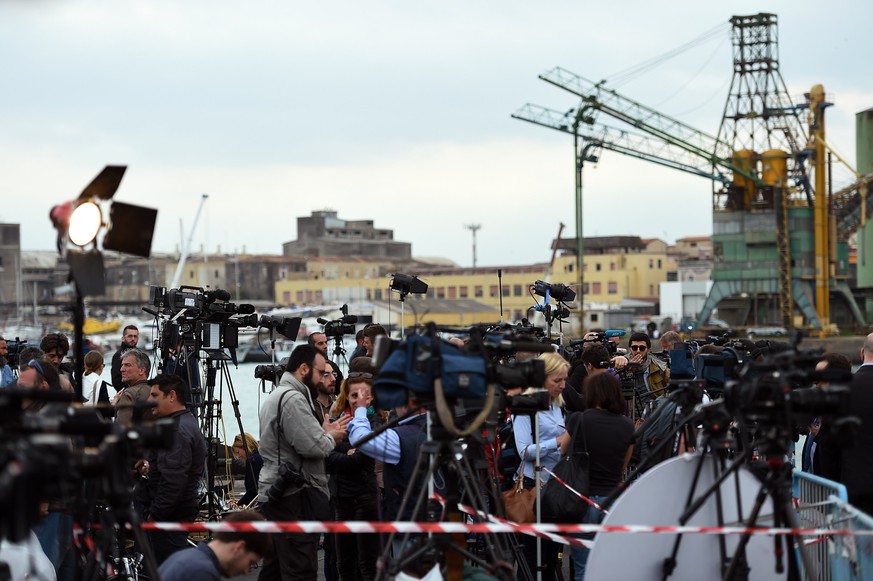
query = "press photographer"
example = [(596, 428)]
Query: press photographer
[(294, 444)]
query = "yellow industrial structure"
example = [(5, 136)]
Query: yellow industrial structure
[(777, 253)]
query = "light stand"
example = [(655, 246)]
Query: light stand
[(405, 284)]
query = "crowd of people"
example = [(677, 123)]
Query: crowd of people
[(323, 455)]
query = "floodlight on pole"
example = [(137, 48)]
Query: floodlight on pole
[(473, 228), (85, 223)]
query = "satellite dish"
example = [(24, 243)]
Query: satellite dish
[(658, 498)]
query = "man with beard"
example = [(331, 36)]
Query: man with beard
[(295, 441), (129, 339)]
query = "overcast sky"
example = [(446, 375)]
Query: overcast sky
[(386, 110)]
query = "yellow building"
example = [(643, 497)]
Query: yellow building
[(616, 268)]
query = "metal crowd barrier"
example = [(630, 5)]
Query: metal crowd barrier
[(823, 503)]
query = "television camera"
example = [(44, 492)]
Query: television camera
[(345, 325), (14, 347), (37, 460)]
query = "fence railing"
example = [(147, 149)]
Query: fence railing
[(823, 504)]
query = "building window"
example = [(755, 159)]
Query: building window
[(478, 291), (299, 296), (586, 288), (595, 288), (378, 294), (216, 274), (651, 263), (441, 292), (611, 266), (594, 317), (659, 263), (612, 287), (506, 290), (651, 290), (462, 292), (516, 290), (597, 267), (453, 292), (286, 297), (493, 291)]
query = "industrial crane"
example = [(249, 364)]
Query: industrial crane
[(760, 132)]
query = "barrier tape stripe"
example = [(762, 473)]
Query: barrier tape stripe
[(500, 527), (495, 519), (574, 491)]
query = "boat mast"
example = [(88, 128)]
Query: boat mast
[(187, 245)]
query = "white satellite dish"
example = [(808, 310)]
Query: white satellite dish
[(658, 498)]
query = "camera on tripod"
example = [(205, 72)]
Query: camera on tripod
[(200, 318), (345, 325), (289, 476), (38, 461), (558, 291)]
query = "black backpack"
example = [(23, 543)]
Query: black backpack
[(509, 459)]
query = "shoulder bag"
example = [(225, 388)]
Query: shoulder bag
[(518, 500), (560, 504)]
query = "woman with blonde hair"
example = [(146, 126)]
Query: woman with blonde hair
[(251, 463), (553, 441)]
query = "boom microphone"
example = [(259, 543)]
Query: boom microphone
[(218, 294)]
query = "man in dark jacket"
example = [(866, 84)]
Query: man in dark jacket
[(174, 474), (852, 462), (129, 339)]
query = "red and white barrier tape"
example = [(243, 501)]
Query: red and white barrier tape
[(495, 519), (500, 527)]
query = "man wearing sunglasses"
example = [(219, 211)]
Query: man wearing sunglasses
[(656, 372)]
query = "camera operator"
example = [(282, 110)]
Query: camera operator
[(173, 474), (294, 444), (851, 463), (656, 372), (129, 339), (135, 367), (6, 375)]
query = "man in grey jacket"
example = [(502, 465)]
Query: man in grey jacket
[(295, 441)]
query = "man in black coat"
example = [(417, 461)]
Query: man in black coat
[(851, 462), (129, 339)]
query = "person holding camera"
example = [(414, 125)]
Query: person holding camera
[(656, 371), (295, 441)]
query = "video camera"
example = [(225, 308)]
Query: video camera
[(37, 460), (14, 347), (489, 357), (774, 389), (345, 325), (575, 348), (200, 318)]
